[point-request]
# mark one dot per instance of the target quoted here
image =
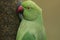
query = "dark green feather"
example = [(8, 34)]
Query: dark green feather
[(29, 36)]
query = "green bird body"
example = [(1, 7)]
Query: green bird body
[(31, 27)]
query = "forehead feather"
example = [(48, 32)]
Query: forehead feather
[(28, 3)]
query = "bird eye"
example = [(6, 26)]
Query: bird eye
[(28, 7)]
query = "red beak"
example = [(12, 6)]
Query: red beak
[(19, 9)]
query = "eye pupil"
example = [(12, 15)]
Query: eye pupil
[(28, 7)]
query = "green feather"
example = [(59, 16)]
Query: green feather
[(28, 36)]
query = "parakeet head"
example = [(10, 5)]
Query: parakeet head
[(31, 10)]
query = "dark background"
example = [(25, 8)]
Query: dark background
[(8, 20)]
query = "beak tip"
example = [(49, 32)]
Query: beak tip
[(20, 9)]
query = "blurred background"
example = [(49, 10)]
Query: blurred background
[(51, 16)]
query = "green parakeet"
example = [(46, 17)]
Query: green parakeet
[(31, 27)]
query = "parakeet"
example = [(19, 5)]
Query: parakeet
[(31, 27)]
